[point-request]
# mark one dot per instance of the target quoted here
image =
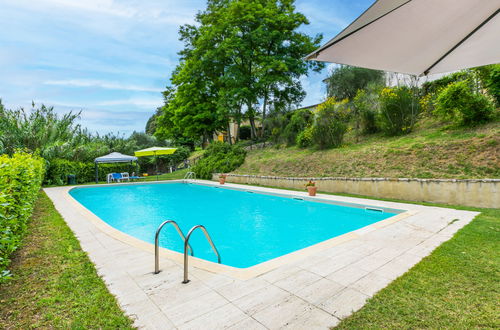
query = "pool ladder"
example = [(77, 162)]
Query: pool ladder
[(190, 175), (187, 246)]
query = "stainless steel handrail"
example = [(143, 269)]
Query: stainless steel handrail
[(157, 241), (186, 244), (190, 175)]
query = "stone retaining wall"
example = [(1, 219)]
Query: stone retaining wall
[(478, 193)]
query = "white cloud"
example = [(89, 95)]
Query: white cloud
[(138, 102), (149, 104), (101, 84), (150, 11)]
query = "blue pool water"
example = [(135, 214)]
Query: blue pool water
[(247, 228)]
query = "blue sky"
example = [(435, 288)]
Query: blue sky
[(112, 58)]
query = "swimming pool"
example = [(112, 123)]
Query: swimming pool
[(247, 227)]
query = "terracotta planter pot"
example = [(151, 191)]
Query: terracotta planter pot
[(312, 190), (222, 180)]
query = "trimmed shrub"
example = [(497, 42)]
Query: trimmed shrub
[(459, 104), (20, 180), (304, 139), (399, 109), (330, 123), (219, 157)]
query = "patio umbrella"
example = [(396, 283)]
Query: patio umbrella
[(155, 151), (419, 37)]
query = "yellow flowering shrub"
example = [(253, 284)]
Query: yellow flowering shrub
[(331, 119), (399, 110)]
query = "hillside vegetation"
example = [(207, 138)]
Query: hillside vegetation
[(430, 151)]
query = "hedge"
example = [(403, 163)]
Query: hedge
[(59, 169), (21, 177)]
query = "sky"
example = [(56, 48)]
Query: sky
[(111, 59)]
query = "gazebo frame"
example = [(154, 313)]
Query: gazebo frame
[(114, 157)]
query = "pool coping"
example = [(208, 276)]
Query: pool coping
[(234, 272)]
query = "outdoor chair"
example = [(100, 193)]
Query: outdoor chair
[(125, 176), (116, 177)]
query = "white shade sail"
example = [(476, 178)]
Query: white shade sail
[(115, 157), (419, 36)]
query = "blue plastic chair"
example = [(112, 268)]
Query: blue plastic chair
[(117, 176)]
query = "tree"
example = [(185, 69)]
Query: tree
[(266, 52), (345, 81), (39, 129), (191, 103), (241, 54), (151, 123)]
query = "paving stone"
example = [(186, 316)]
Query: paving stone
[(398, 266), (281, 313), (311, 320), (167, 277), (221, 318), (328, 266), (210, 279), (260, 299), (239, 289), (319, 291), (281, 272), (156, 321), (168, 296), (297, 281), (370, 284), (182, 313), (139, 307), (247, 324), (347, 275), (377, 259), (344, 303)]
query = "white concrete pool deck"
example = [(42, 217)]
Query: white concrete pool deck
[(312, 292)]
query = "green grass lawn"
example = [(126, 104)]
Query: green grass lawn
[(168, 176), (55, 285)]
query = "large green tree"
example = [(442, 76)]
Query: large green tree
[(267, 54), (191, 102), (242, 55)]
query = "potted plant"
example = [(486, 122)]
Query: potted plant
[(222, 178), (311, 188)]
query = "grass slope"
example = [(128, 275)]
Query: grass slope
[(456, 287), (431, 151), (55, 285)]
